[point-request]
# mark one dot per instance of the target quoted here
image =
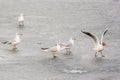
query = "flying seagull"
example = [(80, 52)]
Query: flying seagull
[(68, 45), (99, 44), (21, 20), (15, 41), (52, 50)]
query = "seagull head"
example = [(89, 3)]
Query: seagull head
[(104, 44), (72, 39), (58, 47)]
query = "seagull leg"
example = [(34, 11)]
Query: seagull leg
[(69, 51), (102, 54), (14, 47), (21, 23), (95, 54), (54, 55)]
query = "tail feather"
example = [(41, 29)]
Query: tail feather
[(5, 42)]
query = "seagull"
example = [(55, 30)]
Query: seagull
[(52, 50), (68, 45), (21, 20), (99, 44), (15, 41)]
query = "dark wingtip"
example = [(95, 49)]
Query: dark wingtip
[(44, 48)]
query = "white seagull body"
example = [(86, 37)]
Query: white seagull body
[(14, 42), (67, 45), (52, 50), (21, 20), (99, 44)]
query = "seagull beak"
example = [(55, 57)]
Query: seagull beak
[(106, 45)]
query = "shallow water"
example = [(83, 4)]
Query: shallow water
[(50, 21)]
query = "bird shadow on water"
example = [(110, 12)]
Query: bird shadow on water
[(12, 51), (55, 65), (68, 56), (98, 60)]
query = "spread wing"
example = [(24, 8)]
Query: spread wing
[(105, 31), (94, 37)]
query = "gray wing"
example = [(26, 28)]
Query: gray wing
[(67, 44)]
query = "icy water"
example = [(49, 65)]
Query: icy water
[(50, 21)]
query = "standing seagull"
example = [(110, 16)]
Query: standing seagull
[(53, 49), (21, 20), (99, 44), (68, 45), (14, 42)]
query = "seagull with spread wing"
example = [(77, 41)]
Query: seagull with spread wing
[(15, 41), (99, 44), (52, 50)]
